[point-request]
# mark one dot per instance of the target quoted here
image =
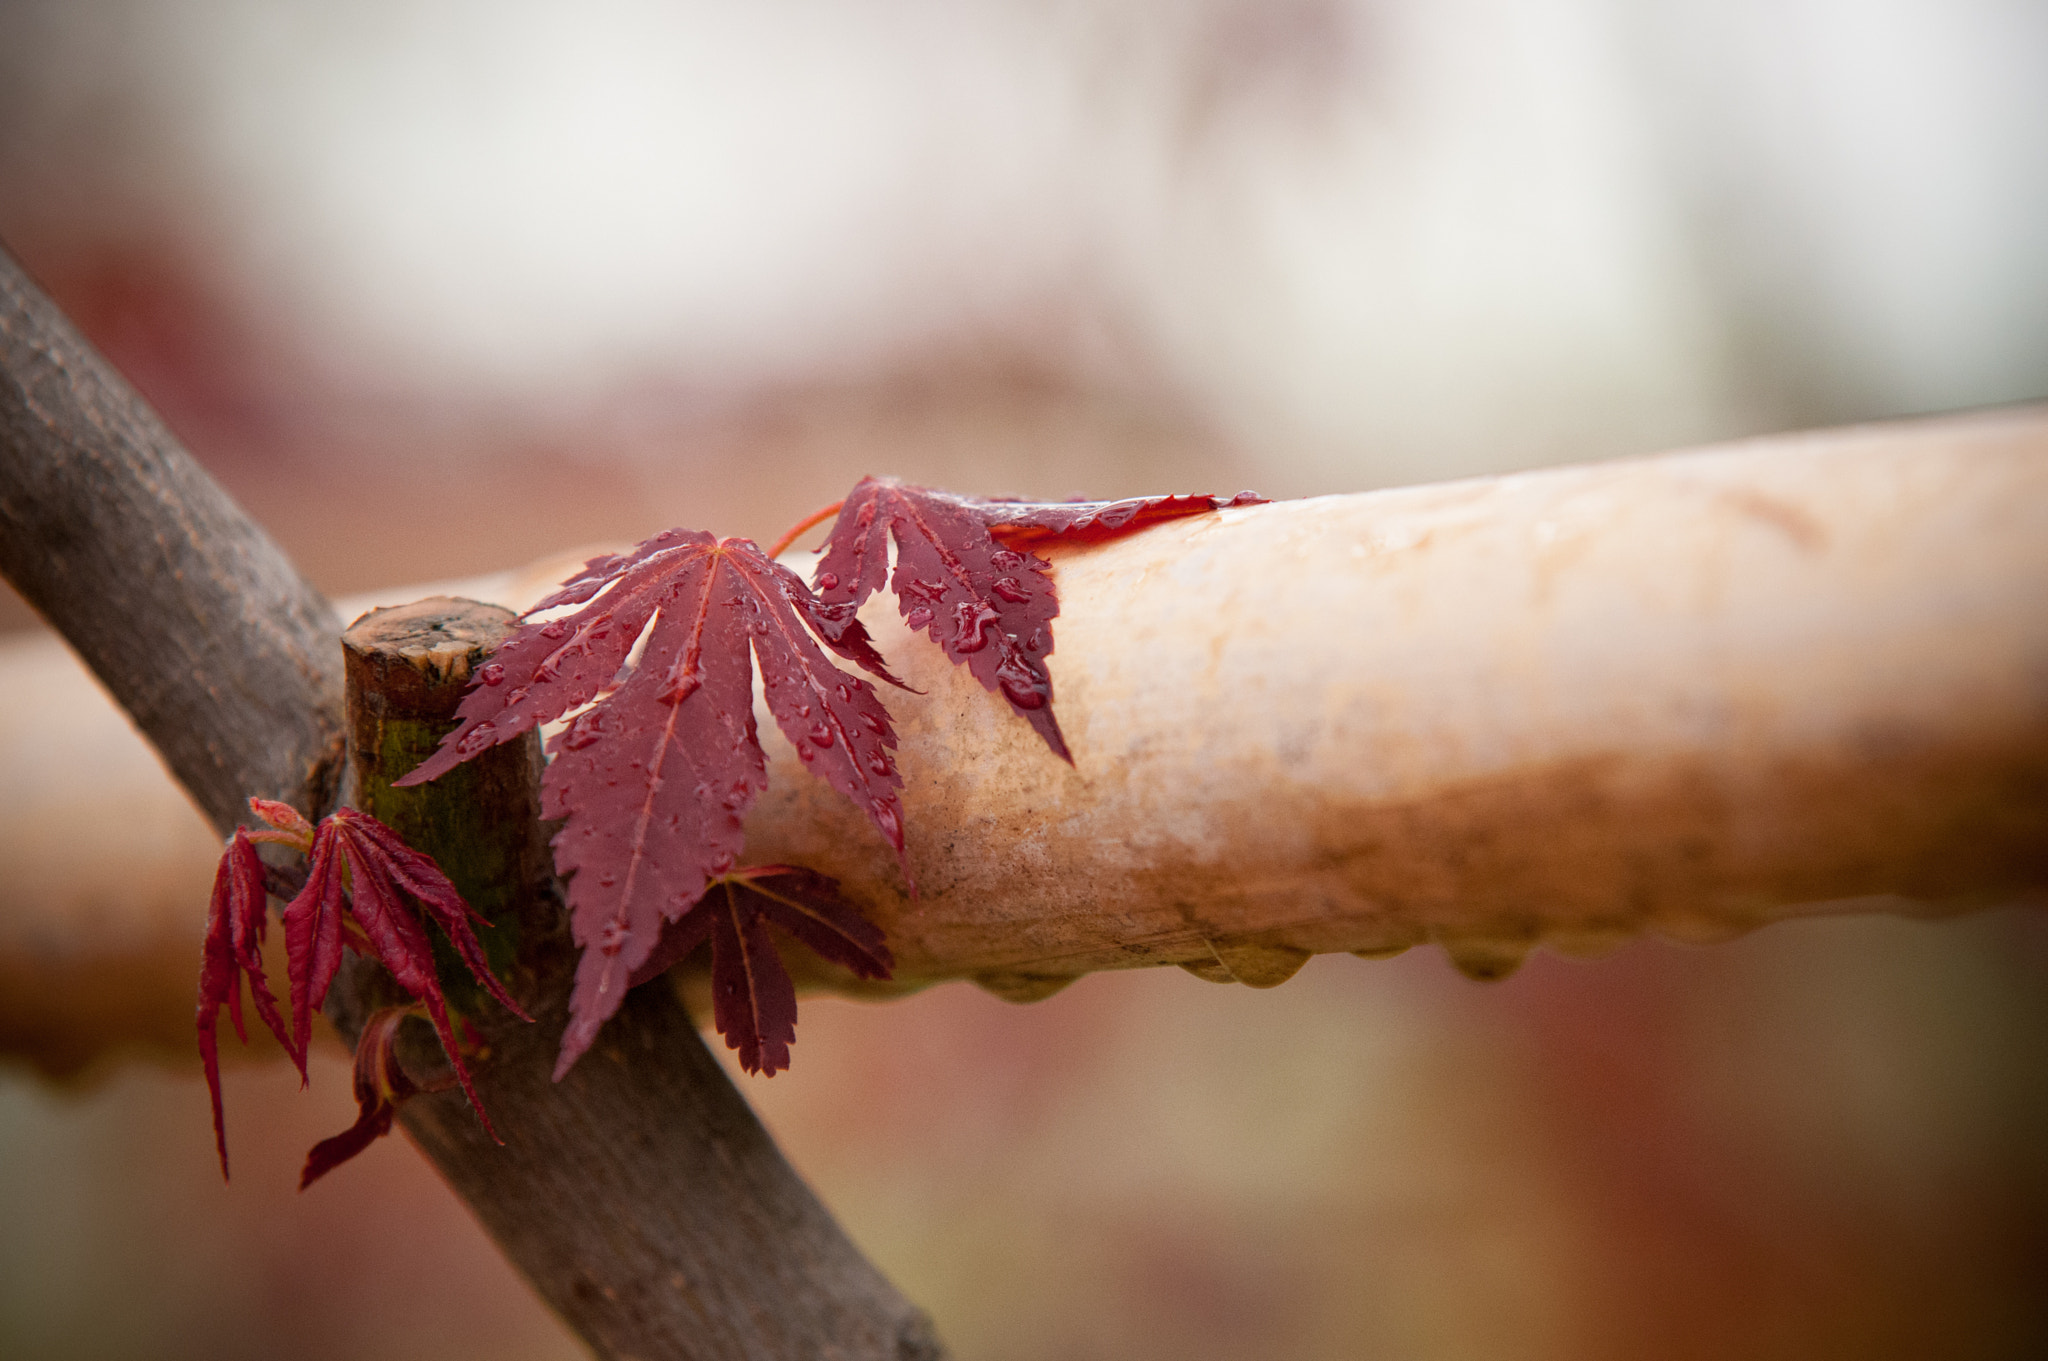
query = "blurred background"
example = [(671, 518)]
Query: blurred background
[(435, 289)]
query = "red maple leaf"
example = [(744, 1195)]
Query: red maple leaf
[(654, 781), (1021, 524), (965, 576), (360, 875), (753, 1000), (235, 924)]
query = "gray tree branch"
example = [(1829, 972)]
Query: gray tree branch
[(183, 607)]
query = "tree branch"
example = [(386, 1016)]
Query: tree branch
[(222, 654), (1688, 694), (1685, 695)]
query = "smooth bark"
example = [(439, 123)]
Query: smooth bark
[(1684, 695), (1687, 694)]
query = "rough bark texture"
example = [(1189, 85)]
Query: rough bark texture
[(639, 1195), (209, 638)]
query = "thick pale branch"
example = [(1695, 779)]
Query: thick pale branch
[(182, 606), (1686, 694)]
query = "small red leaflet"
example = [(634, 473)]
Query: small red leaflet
[(235, 923), (354, 895), (381, 1086), (965, 575), (654, 781), (753, 1000), (360, 868)]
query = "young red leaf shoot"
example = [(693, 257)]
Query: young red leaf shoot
[(381, 1086), (236, 920), (361, 868)]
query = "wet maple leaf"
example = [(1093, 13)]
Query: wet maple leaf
[(356, 886), (654, 781), (753, 1000), (236, 920), (1021, 524), (966, 577)]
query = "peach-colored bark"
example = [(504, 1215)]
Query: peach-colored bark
[(1687, 694)]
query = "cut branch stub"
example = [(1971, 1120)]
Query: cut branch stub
[(639, 1195), (406, 669)]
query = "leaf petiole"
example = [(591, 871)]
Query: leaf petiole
[(811, 521)]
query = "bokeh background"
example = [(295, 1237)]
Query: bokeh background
[(435, 289)]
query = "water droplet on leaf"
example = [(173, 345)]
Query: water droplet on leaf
[(889, 820), (1021, 685), (587, 728), (475, 740), (970, 625)]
